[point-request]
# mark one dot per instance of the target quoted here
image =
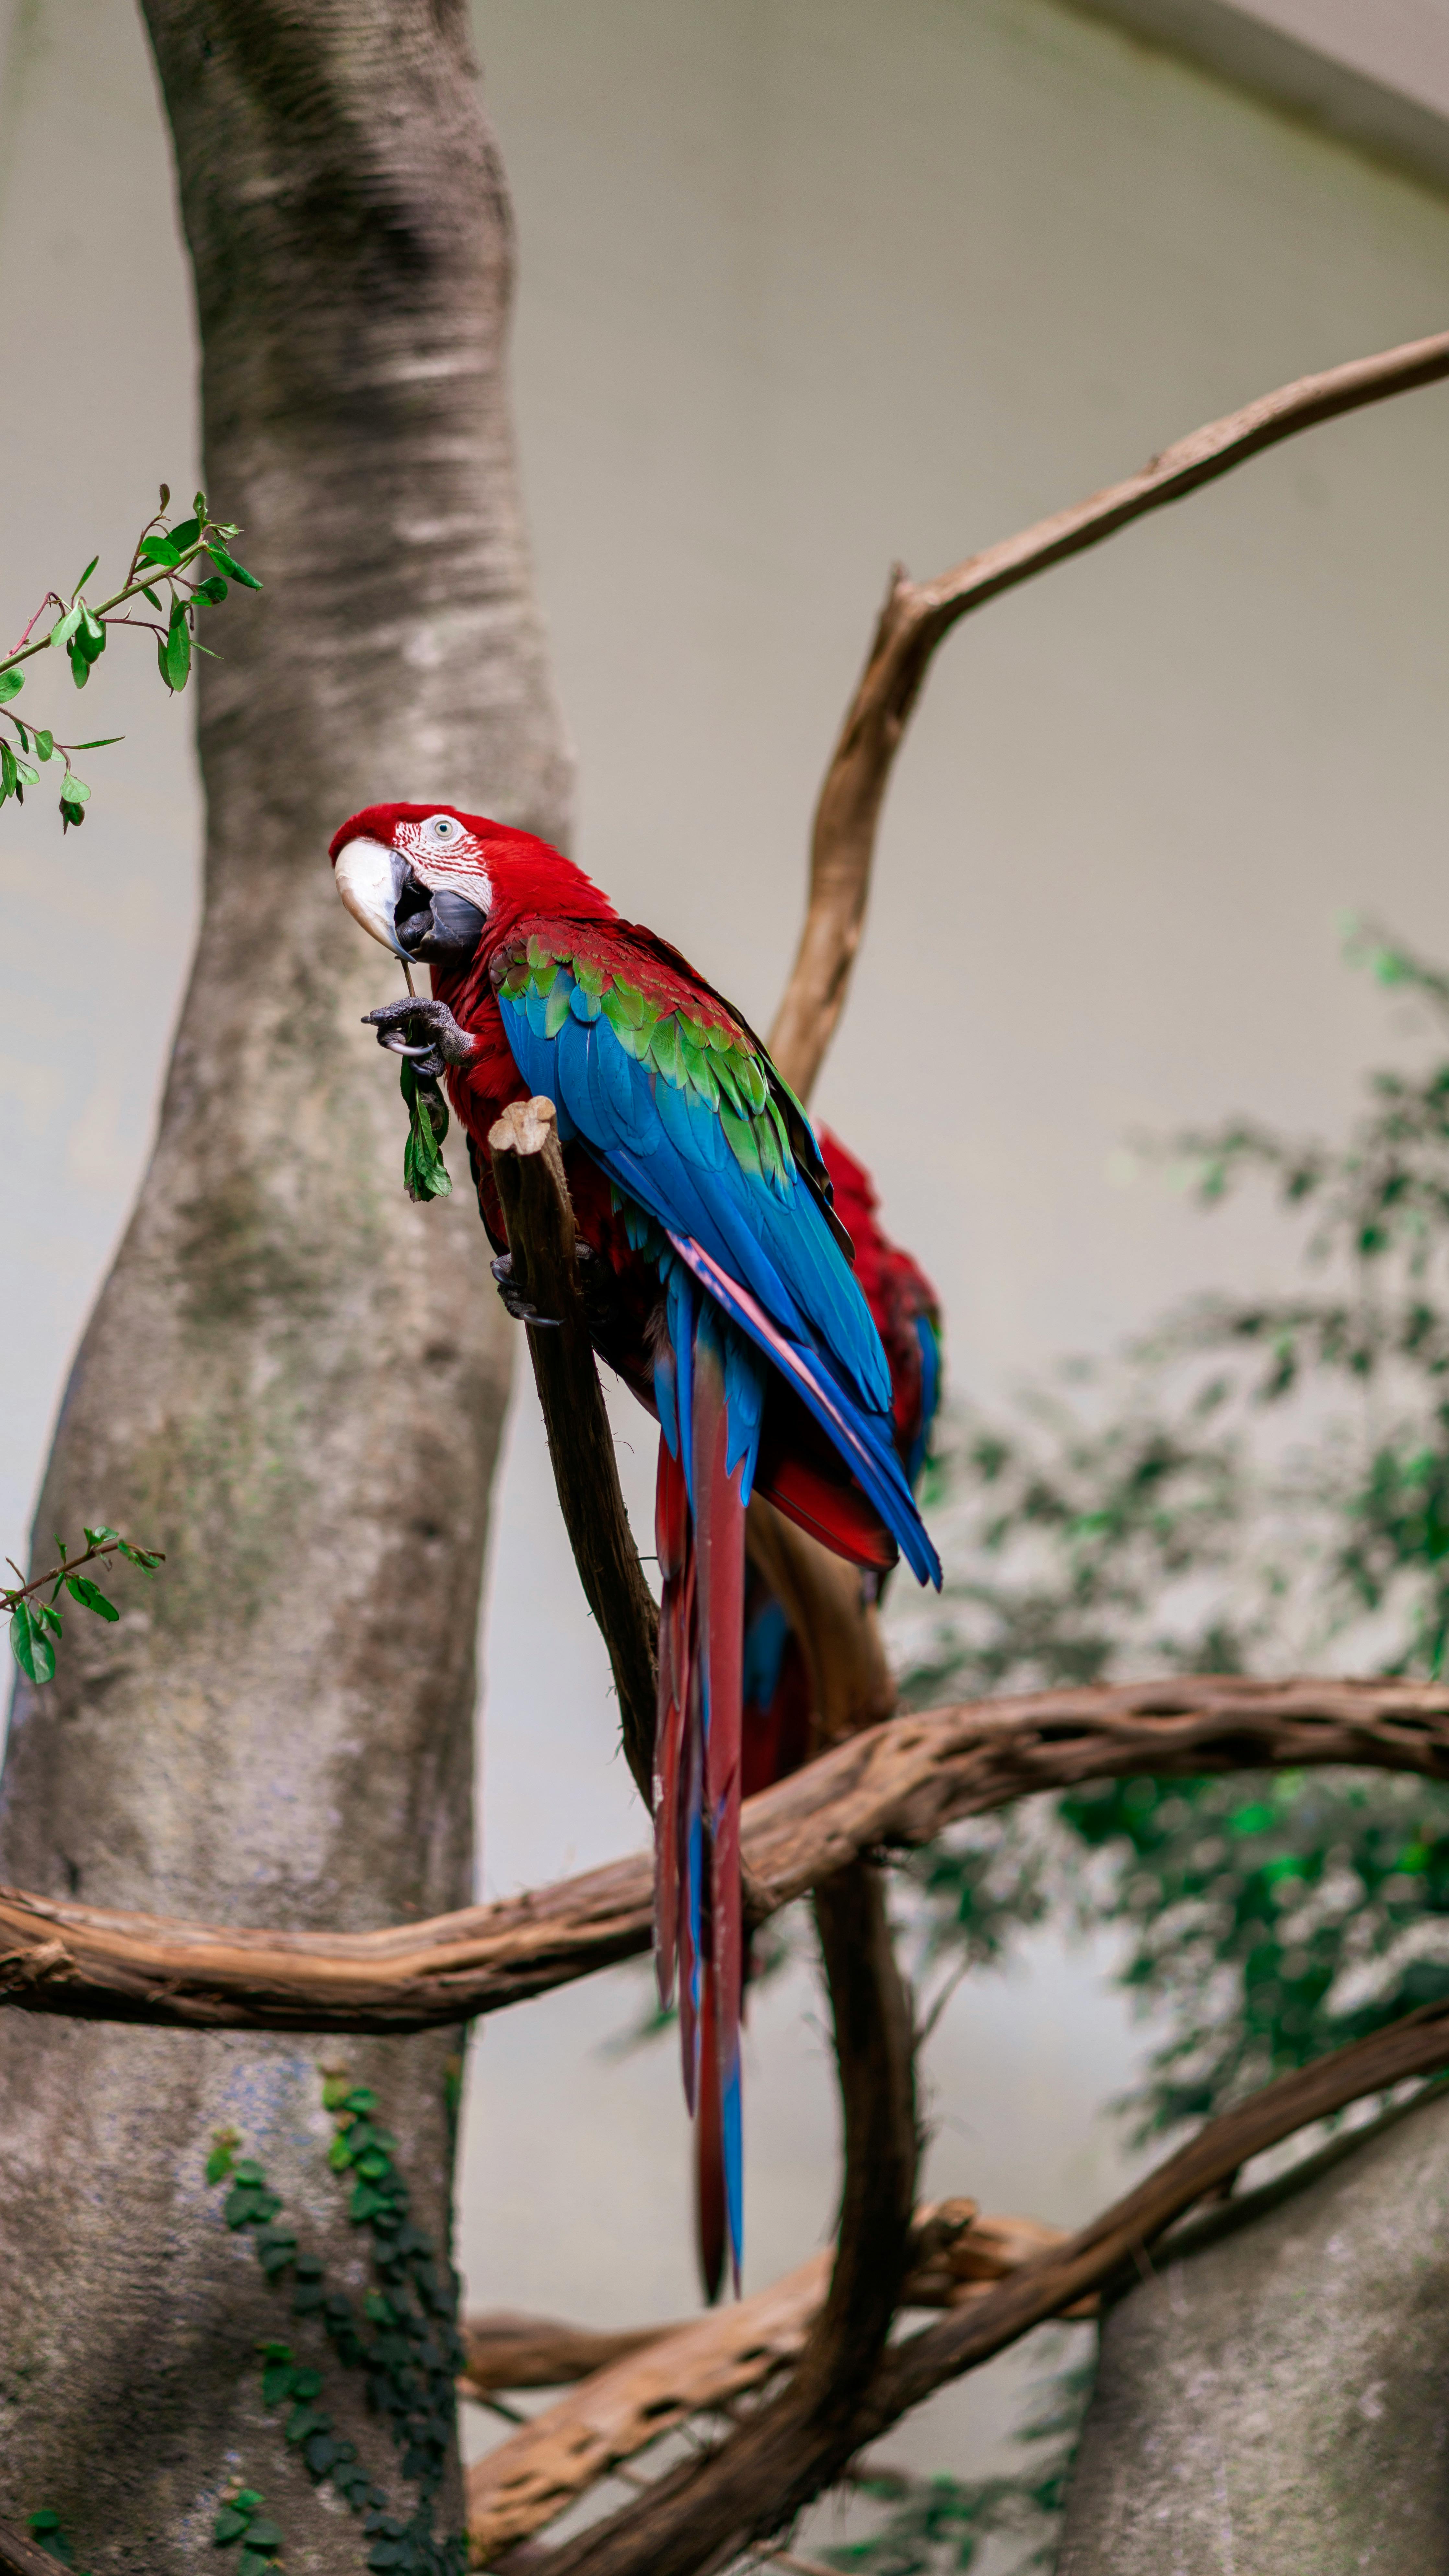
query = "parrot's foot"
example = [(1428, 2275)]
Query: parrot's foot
[(594, 1284), (513, 1298), (398, 1022)]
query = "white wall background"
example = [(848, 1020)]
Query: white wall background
[(807, 285)]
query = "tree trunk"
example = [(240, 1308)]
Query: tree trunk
[(1272, 2395), (293, 1380)]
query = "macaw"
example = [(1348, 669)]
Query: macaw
[(719, 1286), (778, 1717)]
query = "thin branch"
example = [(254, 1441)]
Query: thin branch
[(917, 615), (505, 2350), (898, 1785), (528, 1168)]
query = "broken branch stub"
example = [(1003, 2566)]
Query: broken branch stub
[(528, 1169)]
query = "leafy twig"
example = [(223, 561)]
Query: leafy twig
[(35, 1623), (161, 554)]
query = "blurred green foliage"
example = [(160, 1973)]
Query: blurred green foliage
[(1259, 1484)]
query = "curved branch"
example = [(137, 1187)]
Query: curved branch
[(917, 615), (898, 1785)]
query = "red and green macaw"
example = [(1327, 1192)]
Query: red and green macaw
[(719, 1286)]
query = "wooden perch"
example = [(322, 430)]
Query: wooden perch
[(530, 2478), (654, 2378), (528, 1169), (898, 1785), (917, 614)]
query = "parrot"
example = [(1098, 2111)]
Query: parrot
[(778, 1732), (718, 1283)]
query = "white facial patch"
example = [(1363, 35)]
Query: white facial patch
[(444, 854), (367, 880)]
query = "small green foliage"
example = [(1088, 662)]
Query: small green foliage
[(222, 2159), (405, 2340), (44, 2529), (425, 1174), (166, 571), (240, 2517), (35, 1622)]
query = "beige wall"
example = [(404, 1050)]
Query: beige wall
[(806, 286)]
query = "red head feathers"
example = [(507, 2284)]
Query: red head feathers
[(390, 858)]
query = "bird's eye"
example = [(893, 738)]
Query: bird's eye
[(443, 828)]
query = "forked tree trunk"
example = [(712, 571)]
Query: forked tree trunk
[(293, 1380)]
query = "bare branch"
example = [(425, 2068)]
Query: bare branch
[(528, 1168), (20, 2556), (525, 2482), (641, 2384), (898, 1785), (917, 615), (506, 2350)]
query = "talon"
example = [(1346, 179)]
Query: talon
[(515, 1303), (395, 1022)]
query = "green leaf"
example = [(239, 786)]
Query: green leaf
[(222, 2157), (158, 549), (153, 595), (71, 813), (48, 1615), (264, 2534), (30, 1646), (228, 2526), (249, 2498), (252, 2563), (149, 1559), (74, 790), (361, 2098), (339, 2155), (98, 1537), (334, 2092), (178, 647), (185, 534), (101, 742), (44, 745), (11, 684), (276, 2382), (64, 627), (228, 564), (47, 2519), (9, 772), (213, 590), (90, 1596)]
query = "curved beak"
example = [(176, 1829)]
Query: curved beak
[(369, 880)]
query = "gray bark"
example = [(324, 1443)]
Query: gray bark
[(293, 1379), (1274, 2399)]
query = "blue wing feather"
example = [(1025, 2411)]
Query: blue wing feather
[(665, 1146)]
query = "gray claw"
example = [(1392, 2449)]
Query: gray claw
[(515, 1302)]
